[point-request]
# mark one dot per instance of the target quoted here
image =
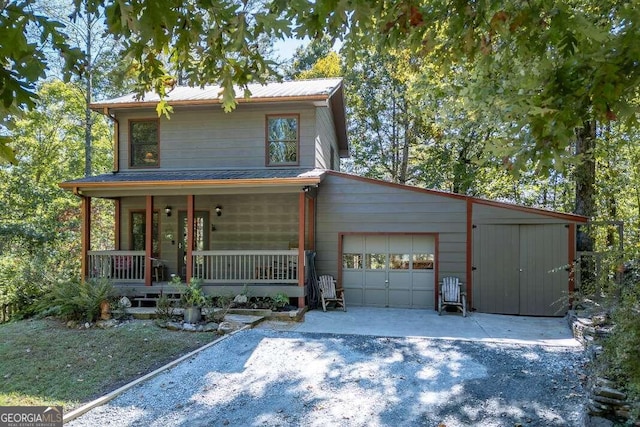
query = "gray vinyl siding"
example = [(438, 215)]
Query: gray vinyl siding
[(347, 205), (325, 139), (248, 222), (209, 138)]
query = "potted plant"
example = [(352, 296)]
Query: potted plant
[(192, 301)]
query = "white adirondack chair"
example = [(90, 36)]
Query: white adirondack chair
[(452, 294), (330, 293)]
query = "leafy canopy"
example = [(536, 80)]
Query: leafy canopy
[(552, 64)]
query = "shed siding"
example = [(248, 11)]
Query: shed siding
[(349, 205), (198, 138), (485, 214)]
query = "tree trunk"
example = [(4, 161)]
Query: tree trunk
[(88, 88), (585, 177)]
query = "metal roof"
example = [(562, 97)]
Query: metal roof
[(321, 88)]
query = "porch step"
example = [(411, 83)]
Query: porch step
[(151, 300)]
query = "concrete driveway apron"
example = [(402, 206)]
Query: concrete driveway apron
[(369, 367)]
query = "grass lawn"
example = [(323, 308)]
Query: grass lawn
[(42, 362)]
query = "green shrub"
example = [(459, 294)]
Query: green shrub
[(75, 300), (164, 308), (622, 348), (27, 277), (280, 300)]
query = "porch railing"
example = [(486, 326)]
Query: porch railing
[(117, 265), (246, 266)]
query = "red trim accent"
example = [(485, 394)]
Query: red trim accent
[(469, 278), (301, 228), (571, 261), (85, 212), (190, 237), (148, 252)]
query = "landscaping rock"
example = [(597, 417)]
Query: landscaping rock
[(609, 393), (189, 327), (210, 327), (72, 324), (228, 327), (240, 299), (174, 326), (125, 302), (105, 324)]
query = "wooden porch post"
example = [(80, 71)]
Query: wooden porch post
[(189, 242), (85, 208), (148, 244), (301, 259)]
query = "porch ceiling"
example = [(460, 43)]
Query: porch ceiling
[(162, 182)]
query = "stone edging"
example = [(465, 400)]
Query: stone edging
[(604, 400), (112, 395)]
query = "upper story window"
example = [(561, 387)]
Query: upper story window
[(283, 140), (144, 143)]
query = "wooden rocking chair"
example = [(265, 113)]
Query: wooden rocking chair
[(451, 294), (329, 293)]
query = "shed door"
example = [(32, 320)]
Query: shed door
[(389, 270), (518, 269)]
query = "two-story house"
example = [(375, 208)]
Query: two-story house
[(255, 199)]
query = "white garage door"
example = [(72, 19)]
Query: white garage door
[(389, 270)]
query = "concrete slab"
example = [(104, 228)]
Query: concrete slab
[(393, 322), (246, 319)]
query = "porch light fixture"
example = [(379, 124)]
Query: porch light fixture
[(167, 210), (219, 210)]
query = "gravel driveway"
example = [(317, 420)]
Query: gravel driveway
[(263, 377)]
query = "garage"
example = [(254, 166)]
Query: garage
[(389, 270)]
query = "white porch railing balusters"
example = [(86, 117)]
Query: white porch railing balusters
[(247, 266), (122, 266)]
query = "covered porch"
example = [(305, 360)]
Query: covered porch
[(231, 235)]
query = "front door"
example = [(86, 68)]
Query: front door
[(200, 241)]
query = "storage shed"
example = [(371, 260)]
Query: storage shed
[(390, 244)]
